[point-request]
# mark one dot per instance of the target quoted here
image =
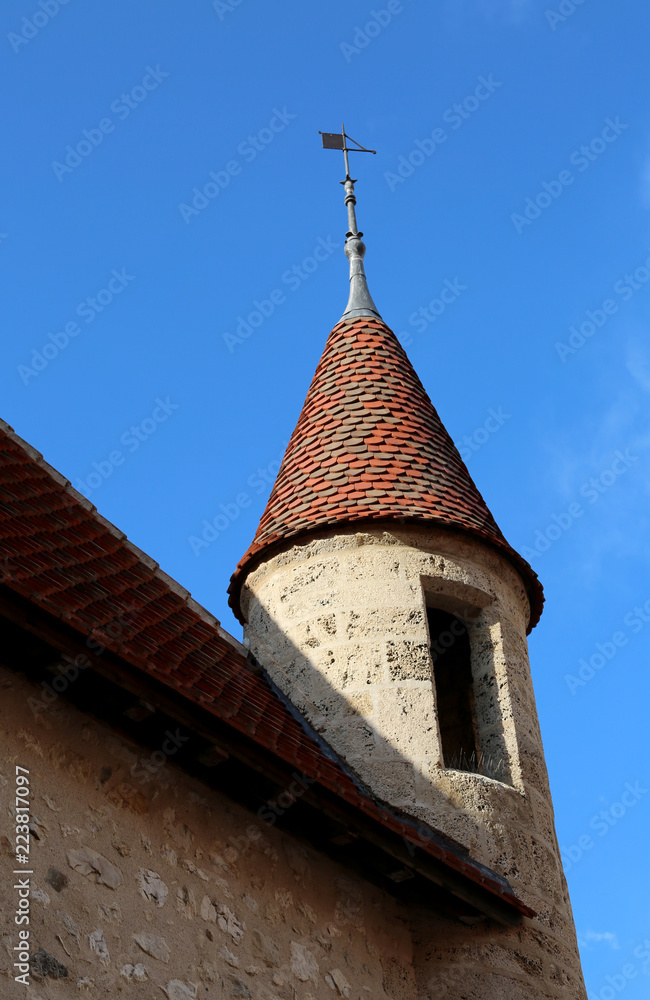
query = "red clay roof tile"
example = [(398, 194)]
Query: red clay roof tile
[(388, 425)]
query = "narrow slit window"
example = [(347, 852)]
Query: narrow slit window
[(452, 674)]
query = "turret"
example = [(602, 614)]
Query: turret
[(384, 601)]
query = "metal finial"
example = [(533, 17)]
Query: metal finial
[(360, 302)]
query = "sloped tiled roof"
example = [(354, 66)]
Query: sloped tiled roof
[(369, 445), (59, 554)]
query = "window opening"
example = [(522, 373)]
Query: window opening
[(452, 673)]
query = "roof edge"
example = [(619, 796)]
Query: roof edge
[(427, 844), (139, 553), (269, 548)]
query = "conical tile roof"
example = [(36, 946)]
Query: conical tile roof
[(369, 446)]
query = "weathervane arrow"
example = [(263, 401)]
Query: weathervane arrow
[(360, 302)]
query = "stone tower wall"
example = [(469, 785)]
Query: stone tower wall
[(340, 623)]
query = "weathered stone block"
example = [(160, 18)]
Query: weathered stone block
[(89, 862), (153, 944), (408, 660), (152, 886), (303, 963), (43, 965)]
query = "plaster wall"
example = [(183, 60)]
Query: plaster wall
[(149, 883)]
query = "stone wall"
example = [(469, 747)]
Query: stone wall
[(340, 624), (148, 883)]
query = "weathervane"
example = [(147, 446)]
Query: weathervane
[(360, 302)]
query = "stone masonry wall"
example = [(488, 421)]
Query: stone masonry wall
[(157, 886), (340, 623)]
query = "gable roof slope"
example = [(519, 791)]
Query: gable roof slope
[(62, 557)]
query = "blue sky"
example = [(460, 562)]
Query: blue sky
[(513, 165)]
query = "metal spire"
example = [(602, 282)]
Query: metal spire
[(360, 302)]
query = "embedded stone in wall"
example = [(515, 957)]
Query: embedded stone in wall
[(177, 990), (186, 902), (98, 945), (189, 866), (153, 945), (207, 971), (43, 964), (228, 957), (70, 927), (69, 831), (152, 886), (303, 964), (337, 981), (208, 910), (134, 973), (87, 861), (229, 924), (56, 879), (38, 828), (238, 987)]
